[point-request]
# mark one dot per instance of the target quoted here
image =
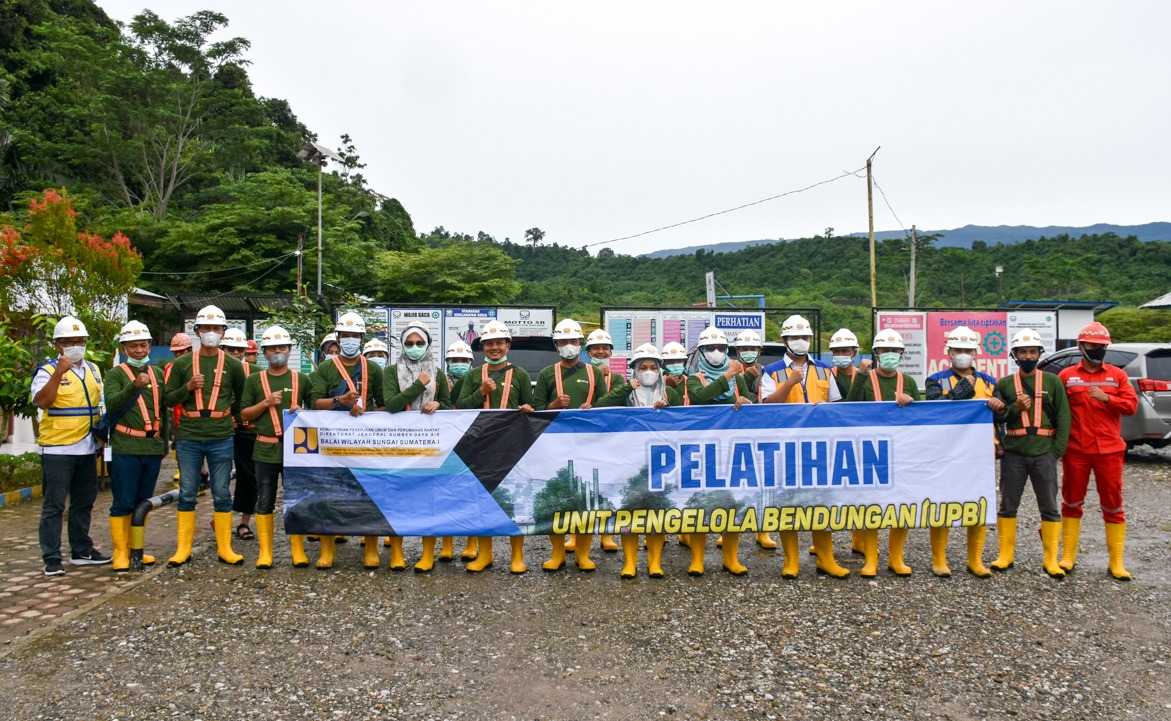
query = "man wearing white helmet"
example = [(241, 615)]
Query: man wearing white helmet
[(844, 346), (675, 370), (376, 352), (599, 347), (235, 344), (497, 384), (459, 362), (961, 382), (1037, 422), (267, 394), (885, 383), (134, 399), (68, 390), (208, 385)]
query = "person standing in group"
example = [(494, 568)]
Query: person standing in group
[(1037, 422), (675, 370), (459, 362), (497, 384), (208, 385), (251, 352), (134, 391), (1099, 395), (961, 382), (885, 383), (68, 390), (844, 348), (267, 394), (376, 352), (599, 347), (235, 344), (180, 346)]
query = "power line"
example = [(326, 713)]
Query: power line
[(892, 210), (217, 270), (229, 292), (846, 174)]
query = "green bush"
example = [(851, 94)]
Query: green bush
[(18, 472)]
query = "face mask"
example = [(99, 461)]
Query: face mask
[(330, 356), (211, 339), (715, 357), (278, 360), (458, 370), (889, 361), (600, 362), (648, 378), (798, 347), (350, 347), (415, 352), (380, 362), (501, 361), (843, 361), (74, 353), (749, 357), (569, 352), (1027, 366), (138, 363), (1094, 354), (963, 361), (675, 369)]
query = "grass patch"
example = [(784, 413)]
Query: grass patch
[(18, 472)]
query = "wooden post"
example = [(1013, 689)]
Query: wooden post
[(300, 256), (914, 248), (870, 214)]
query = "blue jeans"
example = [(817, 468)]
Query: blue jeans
[(132, 481), (219, 455), (77, 477)]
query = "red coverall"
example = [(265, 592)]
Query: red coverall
[(1095, 438)]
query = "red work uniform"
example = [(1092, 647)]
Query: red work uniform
[(1095, 438)]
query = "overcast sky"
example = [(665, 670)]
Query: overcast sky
[(599, 120)]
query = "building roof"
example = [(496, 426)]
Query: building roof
[(1095, 305)]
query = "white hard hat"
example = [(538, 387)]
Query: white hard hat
[(350, 323), (712, 336), (599, 337), (458, 349), (70, 327), (134, 330), (275, 335), (329, 338), (963, 338), (567, 329), (1027, 338), (843, 338), (210, 315), (796, 325), (888, 338), (747, 339), (494, 329), (234, 338), (645, 351), (375, 345), (674, 351)]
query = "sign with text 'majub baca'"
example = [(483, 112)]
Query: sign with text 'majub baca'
[(706, 469)]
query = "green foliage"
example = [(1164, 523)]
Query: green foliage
[(504, 499), (636, 495), (711, 500), (456, 271), (16, 376), (304, 319), (17, 472), (1137, 325)]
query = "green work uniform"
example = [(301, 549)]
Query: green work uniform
[(575, 383), (521, 393), (398, 399), (704, 395), (328, 383), (1054, 414), (456, 388), (844, 379), (863, 391), (196, 427), (250, 369), (120, 390), (254, 393), (618, 396)]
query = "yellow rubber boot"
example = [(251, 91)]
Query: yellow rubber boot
[(654, 554), (1071, 529), (608, 543), (386, 541), (328, 547), (1006, 539), (731, 555), (370, 559), (685, 540), (185, 534), (398, 562), (264, 526), (939, 552), (483, 555), (720, 541), (976, 567), (297, 547), (446, 549), (1050, 540), (517, 562), (120, 537), (697, 542), (471, 549), (765, 540), (630, 555), (137, 535), (827, 565), (792, 549), (1115, 544), (175, 478), (581, 551), (427, 562), (869, 541), (223, 539), (894, 561), (857, 543), (571, 543), (557, 557)]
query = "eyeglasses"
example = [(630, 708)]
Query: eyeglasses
[(416, 344)]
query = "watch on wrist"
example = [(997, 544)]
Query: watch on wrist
[(337, 402)]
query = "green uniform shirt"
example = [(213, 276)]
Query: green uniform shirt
[(328, 383), (575, 383), (398, 399), (702, 395), (254, 393), (618, 396), (844, 380), (120, 390), (1054, 414), (456, 389), (521, 393), (863, 391), (250, 369), (195, 427)]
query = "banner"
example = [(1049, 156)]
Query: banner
[(699, 469)]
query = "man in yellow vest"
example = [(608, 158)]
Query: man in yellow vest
[(69, 391)]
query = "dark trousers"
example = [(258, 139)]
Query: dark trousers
[(1015, 471), (76, 477), (244, 499), (132, 481), (266, 480)]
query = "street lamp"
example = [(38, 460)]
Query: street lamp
[(317, 154), (1000, 280)]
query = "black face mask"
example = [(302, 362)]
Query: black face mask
[(1027, 365), (1094, 354)]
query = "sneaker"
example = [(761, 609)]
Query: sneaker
[(93, 558), (54, 568)]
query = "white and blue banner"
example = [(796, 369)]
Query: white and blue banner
[(698, 469)]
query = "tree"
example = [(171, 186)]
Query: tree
[(457, 271), (534, 236)]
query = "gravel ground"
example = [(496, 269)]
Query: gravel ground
[(213, 642)]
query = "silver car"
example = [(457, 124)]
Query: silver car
[(1149, 368)]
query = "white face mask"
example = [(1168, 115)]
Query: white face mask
[(715, 357), (210, 338), (648, 379), (963, 361), (798, 346), (843, 361), (569, 351), (74, 353), (350, 347)]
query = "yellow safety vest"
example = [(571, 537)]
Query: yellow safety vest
[(75, 411), (814, 389)]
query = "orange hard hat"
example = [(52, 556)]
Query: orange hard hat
[(1094, 333), (252, 347), (180, 341)]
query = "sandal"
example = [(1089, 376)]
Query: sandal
[(244, 533)]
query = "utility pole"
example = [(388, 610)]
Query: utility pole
[(320, 165), (914, 247), (870, 213), (300, 258)]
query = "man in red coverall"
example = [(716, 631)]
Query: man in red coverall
[(1099, 395)]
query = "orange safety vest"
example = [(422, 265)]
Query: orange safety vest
[(561, 387), (507, 387), (878, 389), (209, 411), (1033, 429), (150, 428), (277, 425), (350, 381)]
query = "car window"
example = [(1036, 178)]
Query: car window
[(1057, 362), (1120, 358), (1159, 364)]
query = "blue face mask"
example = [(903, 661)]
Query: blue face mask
[(380, 362), (138, 363), (350, 347), (889, 361), (600, 362), (1027, 365), (843, 361), (674, 369), (749, 357), (458, 370), (415, 352), (500, 361)]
